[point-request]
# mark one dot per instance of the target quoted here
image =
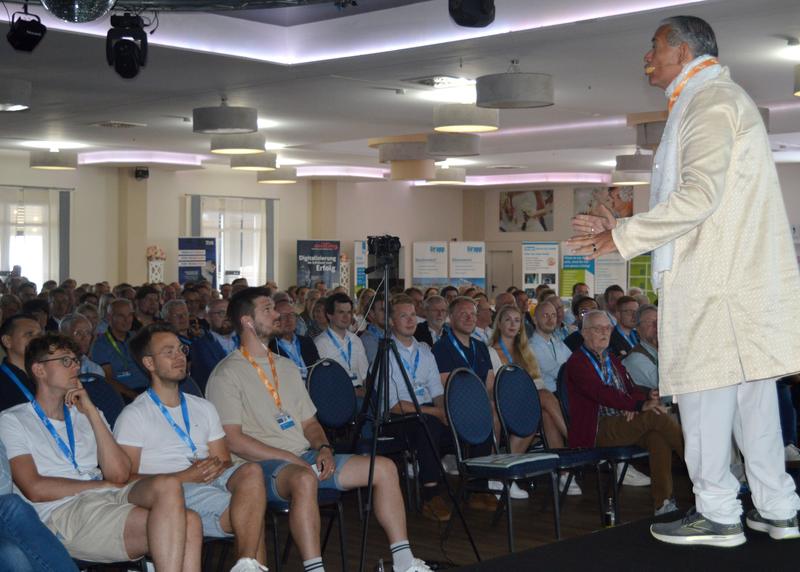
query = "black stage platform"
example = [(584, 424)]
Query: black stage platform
[(630, 547)]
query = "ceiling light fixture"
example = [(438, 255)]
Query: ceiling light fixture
[(273, 145), (465, 118), (628, 179), (224, 119), (637, 163), (260, 162), (53, 145), (54, 160), (264, 123), (238, 144), (15, 94), (282, 176), (453, 144), (126, 45), (514, 89), (448, 176), (26, 31)]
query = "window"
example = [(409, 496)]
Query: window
[(29, 232), (241, 227)]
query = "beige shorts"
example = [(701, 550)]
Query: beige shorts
[(92, 525)]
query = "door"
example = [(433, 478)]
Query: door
[(501, 271)]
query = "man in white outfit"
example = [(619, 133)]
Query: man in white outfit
[(716, 215)]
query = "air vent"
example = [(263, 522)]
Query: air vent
[(118, 124)]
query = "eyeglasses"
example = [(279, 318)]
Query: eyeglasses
[(66, 361), (172, 353)]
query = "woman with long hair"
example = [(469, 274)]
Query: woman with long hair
[(509, 345)]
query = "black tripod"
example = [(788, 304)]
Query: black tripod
[(376, 410)]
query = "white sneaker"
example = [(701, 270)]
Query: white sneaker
[(248, 565), (668, 506), (792, 453), (417, 565), (633, 478), (515, 492), (450, 465), (574, 489)]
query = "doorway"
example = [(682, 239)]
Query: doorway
[(501, 271)]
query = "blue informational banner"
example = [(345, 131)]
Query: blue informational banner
[(468, 264), (360, 261), (318, 260), (197, 260)]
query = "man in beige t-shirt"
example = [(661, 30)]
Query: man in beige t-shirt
[(269, 417)]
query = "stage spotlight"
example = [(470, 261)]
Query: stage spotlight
[(126, 45), (26, 31)]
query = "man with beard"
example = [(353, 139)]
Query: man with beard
[(208, 350)]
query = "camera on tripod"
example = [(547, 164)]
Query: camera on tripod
[(384, 248)]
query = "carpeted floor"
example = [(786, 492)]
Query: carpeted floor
[(630, 547)]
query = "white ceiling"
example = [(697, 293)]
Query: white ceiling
[(325, 111)]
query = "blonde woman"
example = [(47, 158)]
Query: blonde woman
[(509, 345)]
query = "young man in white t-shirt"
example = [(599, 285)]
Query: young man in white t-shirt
[(64, 460), (165, 431)]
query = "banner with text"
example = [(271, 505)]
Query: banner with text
[(359, 265), (468, 264), (574, 269), (317, 260), (197, 260), (430, 264), (611, 269), (539, 266)]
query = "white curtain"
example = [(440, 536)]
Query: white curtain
[(239, 225), (29, 232)]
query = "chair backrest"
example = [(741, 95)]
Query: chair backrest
[(105, 397), (331, 390), (469, 412), (190, 386), (517, 401), (562, 393)]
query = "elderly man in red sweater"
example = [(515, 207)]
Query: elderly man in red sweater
[(607, 410)]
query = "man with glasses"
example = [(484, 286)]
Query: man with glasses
[(166, 432), (580, 307), (65, 461), (300, 349), (624, 337), (208, 350), (606, 409), (110, 350), (79, 328)]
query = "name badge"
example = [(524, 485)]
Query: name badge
[(419, 391), (123, 375), (284, 420)]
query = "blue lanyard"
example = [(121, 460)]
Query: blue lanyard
[(68, 450), (505, 351), (184, 435), (349, 353), (606, 379), (633, 339), (294, 354), (461, 352), (411, 371)]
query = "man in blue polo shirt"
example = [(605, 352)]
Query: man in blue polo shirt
[(110, 350)]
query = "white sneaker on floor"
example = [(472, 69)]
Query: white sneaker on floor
[(791, 453), (516, 492), (417, 565), (248, 565), (450, 465), (574, 489), (633, 478), (668, 506)]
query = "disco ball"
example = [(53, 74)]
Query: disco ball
[(78, 11)]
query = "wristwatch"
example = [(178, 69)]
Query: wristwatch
[(325, 446)]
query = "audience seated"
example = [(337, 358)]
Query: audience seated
[(110, 350), (607, 409), (579, 290), (610, 297), (562, 329), (522, 302), (483, 320), (147, 303), (341, 345), (624, 337), (176, 314), (15, 335), (209, 349), (300, 349), (432, 329), (580, 308), (319, 320), (418, 297), (60, 305), (642, 360), (117, 521), (166, 432), (374, 331), (268, 416), (79, 329)]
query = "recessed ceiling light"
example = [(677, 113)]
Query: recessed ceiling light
[(273, 145), (53, 145), (264, 123)]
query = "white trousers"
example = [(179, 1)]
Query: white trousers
[(750, 411)]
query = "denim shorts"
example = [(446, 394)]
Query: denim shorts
[(210, 501), (273, 467)]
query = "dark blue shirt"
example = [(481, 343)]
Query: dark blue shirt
[(448, 358), (122, 364)]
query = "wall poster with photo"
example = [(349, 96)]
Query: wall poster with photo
[(526, 211), (618, 199)]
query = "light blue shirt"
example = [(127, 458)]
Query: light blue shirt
[(643, 371), (551, 355), (88, 366), (6, 486), (427, 383)]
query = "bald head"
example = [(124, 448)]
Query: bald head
[(504, 299)]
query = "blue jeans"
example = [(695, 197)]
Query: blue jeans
[(26, 545), (273, 467)]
